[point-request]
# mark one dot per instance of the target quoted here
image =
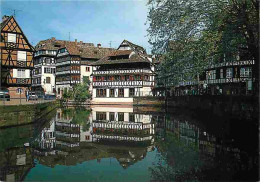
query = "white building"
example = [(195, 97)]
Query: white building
[(125, 73)]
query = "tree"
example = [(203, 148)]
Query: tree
[(196, 33), (81, 91)]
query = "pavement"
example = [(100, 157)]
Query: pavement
[(19, 101)]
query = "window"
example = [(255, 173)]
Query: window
[(62, 50), (101, 116), (87, 69), (19, 91), (101, 92), (131, 92), (112, 93), (11, 37), (120, 92), (246, 72), (53, 70), (47, 70), (229, 73), (20, 73), (21, 55), (131, 117), (48, 79), (111, 116), (221, 73), (211, 75), (87, 137), (120, 116)]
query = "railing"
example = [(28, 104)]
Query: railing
[(215, 81), (62, 63), (67, 124), (19, 81), (63, 82), (122, 138), (122, 83), (45, 53), (123, 71), (17, 63), (233, 63), (117, 125)]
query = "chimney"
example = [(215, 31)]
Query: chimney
[(76, 40), (5, 17), (53, 38), (98, 45)]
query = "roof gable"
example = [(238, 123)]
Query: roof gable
[(10, 25)]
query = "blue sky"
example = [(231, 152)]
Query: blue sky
[(87, 20)]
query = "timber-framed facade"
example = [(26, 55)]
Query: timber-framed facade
[(16, 58), (126, 73), (73, 63)]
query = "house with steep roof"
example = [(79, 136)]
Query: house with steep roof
[(16, 58), (73, 63), (123, 74)]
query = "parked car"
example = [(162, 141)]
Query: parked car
[(32, 96), (49, 97), (4, 94)]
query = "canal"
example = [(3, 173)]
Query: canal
[(125, 143)]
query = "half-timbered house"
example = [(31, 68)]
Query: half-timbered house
[(16, 58), (43, 75), (73, 63), (123, 74)]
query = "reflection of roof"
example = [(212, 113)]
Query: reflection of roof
[(124, 154)]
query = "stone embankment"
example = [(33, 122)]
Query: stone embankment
[(14, 115)]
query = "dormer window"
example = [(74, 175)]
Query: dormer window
[(11, 38), (62, 50)]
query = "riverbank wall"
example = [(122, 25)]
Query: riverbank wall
[(14, 115)]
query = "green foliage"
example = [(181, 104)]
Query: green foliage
[(193, 34), (79, 116), (80, 92)]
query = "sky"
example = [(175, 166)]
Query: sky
[(95, 21)]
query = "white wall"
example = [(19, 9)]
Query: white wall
[(83, 72)]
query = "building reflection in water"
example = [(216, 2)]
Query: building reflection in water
[(106, 132), (127, 134)]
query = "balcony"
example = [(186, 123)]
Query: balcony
[(49, 53), (63, 63), (123, 71), (19, 81), (234, 63), (122, 83)]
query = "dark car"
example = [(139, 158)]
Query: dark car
[(4, 94), (49, 97)]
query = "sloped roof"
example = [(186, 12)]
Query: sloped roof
[(95, 52), (134, 46), (3, 23), (136, 58), (85, 50), (54, 44)]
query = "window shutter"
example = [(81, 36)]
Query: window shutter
[(11, 37), (21, 55)]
